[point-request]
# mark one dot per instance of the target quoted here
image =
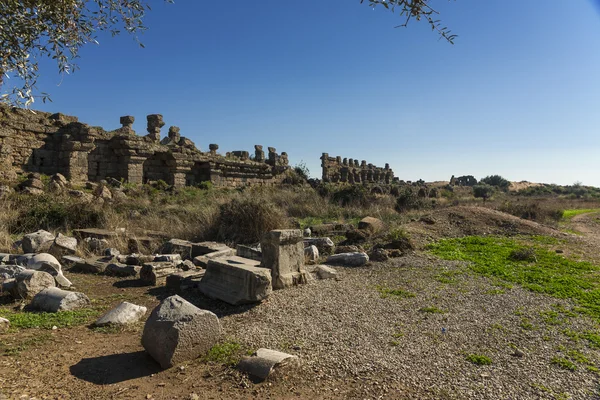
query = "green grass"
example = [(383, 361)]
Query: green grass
[(432, 310), (226, 353), (550, 273), (478, 359), (569, 214), (43, 320), (386, 292), (563, 363)]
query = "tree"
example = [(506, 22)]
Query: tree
[(496, 180), (32, 29), (416, 10), (483, 191)]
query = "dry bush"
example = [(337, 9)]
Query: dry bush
[(534, 211)]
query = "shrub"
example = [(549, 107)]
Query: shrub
[(478, 359), (408, 199), (302, 170), (483, 191), (247, 220), (496, 180), (524, 254), (351, 195), (532, 211)]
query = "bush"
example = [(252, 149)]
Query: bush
[(352, 195), (496, 180), (408, 199), (247, 220), (523, 254), (532, 211), (483, 191)]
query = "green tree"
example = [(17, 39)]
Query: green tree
[(483, 191), (496, 180), (33, 29)]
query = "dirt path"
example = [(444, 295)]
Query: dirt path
[(588, 224)]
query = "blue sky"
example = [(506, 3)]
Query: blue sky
[(517, 95)]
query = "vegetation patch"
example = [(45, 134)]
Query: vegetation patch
[(44, 320), (225, 353), (386, 292), (563, 363), (549, 273), (478, 359), (432, 310), (569, 214)]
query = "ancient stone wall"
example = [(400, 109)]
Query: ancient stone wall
[(55, 143), (348, 170)]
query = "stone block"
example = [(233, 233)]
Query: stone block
[(123, 314), (55, 300), (202, 261), (236, 280), (283, 254), (203, 248), (253, 253)]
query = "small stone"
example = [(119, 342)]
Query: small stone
[(325, 272), (4, 324), (123, 314)]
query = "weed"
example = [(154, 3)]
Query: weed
[(398, 293), (592, 338), (569, 214), (551, 317), (432, 310), (495, 291), (478, 359), (525, 324), (394, 343), (44, 320), (13, 349), (563, 363), (224, 353), (579, 357), (448, 277)]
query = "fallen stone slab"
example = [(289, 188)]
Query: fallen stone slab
[(95, 233), (123, 314), (29, 283), (54, 300), (236, 280), (10, 271), (152, 273), (48, 263), (324, 244), (4, 258), (265, 362), (36, 242), (92, 266), (311, 254), (185, 280), (135, 259), (172, 258), (203, 248), (178, 246), (330, 229), (202, 261), (325, 272), (4, 324), (250, 252), (178, 331), (70, 261), (63, 245), (141, 244), (348, 259), (122, 270)]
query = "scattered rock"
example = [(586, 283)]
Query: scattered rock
[(379, 254), (123, 270), (262, 363), (54, 300), (48, 263), (63, 245), (96, 245), (371, 224), (283, 254), (348, 259), (152, 273), (204, 248), (29, 283), (178, 331), (357, 236), (178, 246), (4, 324), (324, 244), (250, 252), (311, 254), (103, 192), (184, 280), (325, 272), (110, 252), (348, 249), (123, 314), (37, 242), (10, 271), (307, 232)]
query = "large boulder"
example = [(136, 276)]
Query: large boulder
[(63, 245), (37, 242), (48, 263), (348, 259), (325, 272), (29, 283), (236, 280), (178, 331), (54, 300), (123, 314), (311, 254)]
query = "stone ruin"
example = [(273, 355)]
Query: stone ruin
[(55, 143), (465, 180), (348, 170)]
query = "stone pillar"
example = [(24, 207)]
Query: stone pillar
[(213, 149), (351, 175), (363, 171), (272, 156), (127, 122), (325, 167), (345, 162), (283, 254), (134, 169), (174, 134), (259, 154), (344, 174), (155, 122), (283, 159)]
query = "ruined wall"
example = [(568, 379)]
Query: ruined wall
[(55, 143), (348, 170)]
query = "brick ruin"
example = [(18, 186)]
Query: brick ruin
[(348, 170), (55, 143)]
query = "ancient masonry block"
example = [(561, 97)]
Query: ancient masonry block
[(55, 143), (338, 170), (283, 254)]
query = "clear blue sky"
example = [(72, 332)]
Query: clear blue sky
[(517, 95)]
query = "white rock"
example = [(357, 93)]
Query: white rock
[(55, 300), (265, 361), (123, 314), (4, 324), (37, 241), (325, 272), (48, 263), (311, 253)]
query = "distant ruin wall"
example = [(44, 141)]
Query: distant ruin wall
[(348, 170), (56, 143)]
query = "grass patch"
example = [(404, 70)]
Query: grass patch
[(548, 273), (397, 293), (14, 349), (563, 363), (225, 353), (44, 320), (569, 214), (478, 359), (448, 277)]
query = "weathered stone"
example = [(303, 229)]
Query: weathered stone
[(92, 266), (311, 253), (325, 272), (48, 263), (265, 361), (203, 248), (379, 254), (172, 258), (110, 252), (252, 253), (59, 179), (202, 261), (96, 245), (357, 236), (63, 245), (184, 280), (236, 280), (323, 244), (4, 324), (348, 249), (124, 270), (37, 242), (10, 271), (178, 331), (283, 254), (307, 232), (123, 314), (152, 273), (348, 259), (55, 300), (178, 246), (103, 192), (30, 282), (372, 225)]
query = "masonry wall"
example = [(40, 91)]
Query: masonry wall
[(55, 143), (348, 170)]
